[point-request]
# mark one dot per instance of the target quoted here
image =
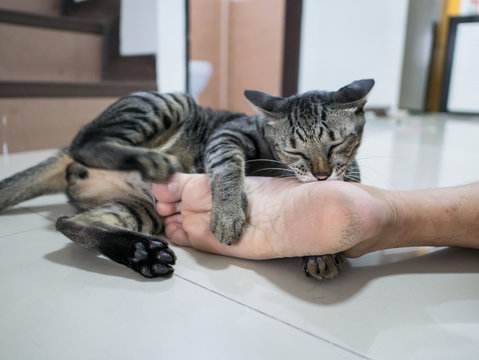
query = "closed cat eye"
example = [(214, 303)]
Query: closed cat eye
[(332, 147), (353, 150), (348, 140), (297, 153)]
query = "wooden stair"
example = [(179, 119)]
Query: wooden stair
[(58, 72)]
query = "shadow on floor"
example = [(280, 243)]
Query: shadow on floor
[(287, 273), (80, 258)]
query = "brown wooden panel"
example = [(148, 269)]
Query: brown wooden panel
[(243, 40), (51, 22), (204, 44), (255, 50), (45, 7), (44, 123), (60, 89), (40, 54)]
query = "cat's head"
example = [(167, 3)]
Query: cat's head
[(315, 134)]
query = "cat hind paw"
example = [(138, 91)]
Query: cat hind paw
[(152, 258), (323, 266)]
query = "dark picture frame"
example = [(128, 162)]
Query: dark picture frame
[(454, 23), (291, 46)]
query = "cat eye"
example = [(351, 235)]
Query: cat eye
[(332, 147), (344, 143), (297, 153), (353, 150)]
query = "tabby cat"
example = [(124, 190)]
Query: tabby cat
[(146, 137)]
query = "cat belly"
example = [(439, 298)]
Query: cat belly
[(89, 187)]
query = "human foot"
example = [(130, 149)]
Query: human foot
[(286, 218)]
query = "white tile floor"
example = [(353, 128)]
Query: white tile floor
[(59, 301)]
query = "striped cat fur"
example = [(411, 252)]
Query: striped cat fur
[(146, 137)]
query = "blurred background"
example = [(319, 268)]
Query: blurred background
[(63, 61)]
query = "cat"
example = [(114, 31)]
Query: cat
[(146, 137)]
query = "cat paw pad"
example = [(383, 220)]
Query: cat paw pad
[(152, 258)]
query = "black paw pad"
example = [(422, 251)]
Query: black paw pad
[(152, 258), (140, 253)]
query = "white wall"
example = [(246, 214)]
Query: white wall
[(157, 27), (171, 56), (138, 27), (422, 15), (346, 40)]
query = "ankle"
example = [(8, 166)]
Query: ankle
[(380, 221)]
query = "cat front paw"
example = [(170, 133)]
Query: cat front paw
[(323, 266), (228, 220), (152, 258), (157, 167)]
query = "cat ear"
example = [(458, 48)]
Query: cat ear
[(271, 106), (354, 94)]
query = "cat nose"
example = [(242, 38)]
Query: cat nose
[(321, 177)]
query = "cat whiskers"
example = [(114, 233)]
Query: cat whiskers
[(289, 171), (288, 177), (265, 160), (353, 172), (364, 176), (362, 166), (352, 179), (383, 157)]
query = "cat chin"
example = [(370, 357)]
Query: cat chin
[(306, 178), (311, 178), (335, 176)]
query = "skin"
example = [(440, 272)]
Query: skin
[(287, 218)]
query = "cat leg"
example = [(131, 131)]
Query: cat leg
[(115, 230), (154, 165), (225, 165), (47, 177), (123, 136), (323, 266), (328, 266)]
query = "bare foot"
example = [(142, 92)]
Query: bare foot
[(286, 218)]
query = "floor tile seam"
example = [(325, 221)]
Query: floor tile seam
[(22, 231), (30, 229), (36, 213), (272, 317)]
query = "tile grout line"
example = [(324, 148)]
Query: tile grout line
[(27, 230), (274, 318), (21, 232), (33, 212)]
